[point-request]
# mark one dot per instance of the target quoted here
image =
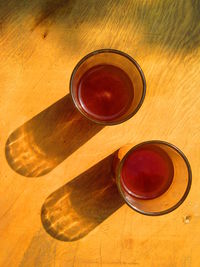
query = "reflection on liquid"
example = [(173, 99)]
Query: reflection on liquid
[(78, 207), (39, 145)]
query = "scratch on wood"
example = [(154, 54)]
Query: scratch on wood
[(11, 206), (45, 34), (100, 254)]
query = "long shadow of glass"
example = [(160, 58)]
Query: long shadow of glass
[(75, 209), (39, 145)]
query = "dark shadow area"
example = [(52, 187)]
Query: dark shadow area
[(50, 9), (75, 209), (173, 24), (45, 13), (45, 9), (40, 144)]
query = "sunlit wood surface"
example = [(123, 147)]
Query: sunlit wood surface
[(58, 204)]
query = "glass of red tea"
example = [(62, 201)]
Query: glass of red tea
[(153, 177), (107, 86)]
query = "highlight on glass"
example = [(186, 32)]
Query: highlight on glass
[(153, 177), (107, 86)]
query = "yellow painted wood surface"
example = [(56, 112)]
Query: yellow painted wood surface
[(54, 161)]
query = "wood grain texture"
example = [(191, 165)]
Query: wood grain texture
[(45, 156)]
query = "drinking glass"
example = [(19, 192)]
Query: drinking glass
[(173, 164), (107, 86)]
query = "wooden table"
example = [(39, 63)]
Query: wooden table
[(58, 206)]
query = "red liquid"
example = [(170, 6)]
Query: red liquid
[(105, 92), (147, 172)]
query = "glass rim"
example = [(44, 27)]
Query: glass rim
[(182, 199), (114, 51)]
